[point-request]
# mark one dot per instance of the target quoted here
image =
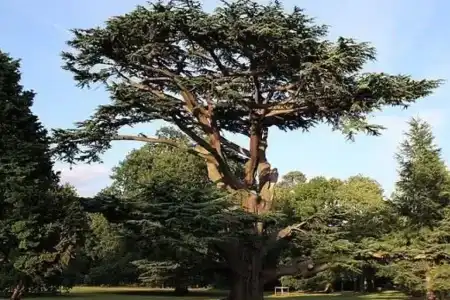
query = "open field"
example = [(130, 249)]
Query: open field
[(100, 293)]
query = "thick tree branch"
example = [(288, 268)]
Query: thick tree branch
[(289, 230), (154, 140), (305, 269), (216, 164), (283, 108), (297, 267), (218, 170), (252, 163), (275, 238), (236, 148), (145, 139), (267, 177)]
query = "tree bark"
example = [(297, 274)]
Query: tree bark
[(249, 286), (245, 288), (181, 290), (247, 278), (430, 293), (18, 291)]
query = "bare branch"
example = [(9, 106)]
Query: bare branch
[(219, 64), (288, 231), (286, 107), (154, 140), (305, 269)]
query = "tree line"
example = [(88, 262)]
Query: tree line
[(193, 208)]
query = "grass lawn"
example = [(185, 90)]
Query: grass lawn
[(100, 293)]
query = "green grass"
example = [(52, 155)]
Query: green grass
[(129, 293)]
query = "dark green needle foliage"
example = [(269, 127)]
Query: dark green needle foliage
[(40, 221), (246, 58), (416, 253), (173, 214), (423, 190)]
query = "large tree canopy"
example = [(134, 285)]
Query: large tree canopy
[(242, 69)]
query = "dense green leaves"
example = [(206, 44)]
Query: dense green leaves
[(174, 213), (416, 252), (242, 59), (41, 223), (424, 186)]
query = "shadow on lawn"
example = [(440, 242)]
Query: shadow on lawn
[(345, 296), (217, 294), (151, 293)]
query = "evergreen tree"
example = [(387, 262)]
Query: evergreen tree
[(423, 190), (416, 251), (40, 221), (243, 68), (171, 217)]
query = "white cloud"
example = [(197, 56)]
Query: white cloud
[(85, 178)]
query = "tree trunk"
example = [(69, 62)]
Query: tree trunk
[(246, 288), (247, 281), (18, 291), (431, 294), (181, 290)]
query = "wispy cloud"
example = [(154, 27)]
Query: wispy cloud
[(88, 179)]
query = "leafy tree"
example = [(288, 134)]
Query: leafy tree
[(41, 222), (343, 215), (417, 249), (108, 259), (292, 178), (162, 184), (244, 68)]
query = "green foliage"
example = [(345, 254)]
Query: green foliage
[(241, 69), (162, 170), (292, 179), (343, 216), (174, 212), (417, 248), (41, 223), (242, 59), (407, 276), (440, 279), (424, 186), (109, 261)]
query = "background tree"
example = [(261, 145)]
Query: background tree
[(41, 222), (171, 213), (292, 179), (424, 186), (107, 256), (343, 214), (417, 249), (243, 68)]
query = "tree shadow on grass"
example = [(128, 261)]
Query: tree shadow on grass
[(344, 296), (218, 294), (158, 294)]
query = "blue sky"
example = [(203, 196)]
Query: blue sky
[(410, 36)]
